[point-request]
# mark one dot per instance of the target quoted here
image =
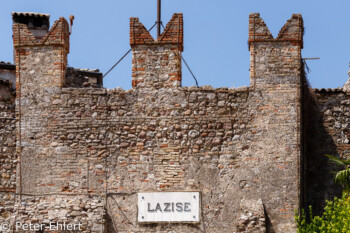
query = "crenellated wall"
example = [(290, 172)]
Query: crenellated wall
[(84, 152)]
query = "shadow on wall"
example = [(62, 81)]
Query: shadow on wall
[(111, 228), (317, 179), (269, 226)]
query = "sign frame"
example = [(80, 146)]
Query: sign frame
[(195, 194)]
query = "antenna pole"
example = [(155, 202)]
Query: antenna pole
[(159, 21)]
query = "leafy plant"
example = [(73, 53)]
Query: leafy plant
[(342, 177), (335, 219), (336, 215)]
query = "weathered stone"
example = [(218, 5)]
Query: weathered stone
[(217, 141), (193, 133), (124, 144), (78, 141), (221, 103), (142, 134), (188, 112), (57, 101)]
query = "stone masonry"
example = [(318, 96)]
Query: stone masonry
[(72, 151)]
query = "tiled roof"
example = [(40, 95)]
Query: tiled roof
[(328, 89), (33, 14), (7, 65)]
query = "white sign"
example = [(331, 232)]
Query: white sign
[(168, 207)]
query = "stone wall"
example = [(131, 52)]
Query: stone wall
[(41, 65), (182, 139), (275, 109), (8, 156), (85, 151), (327, 133)]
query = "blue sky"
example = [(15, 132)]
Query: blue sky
[(215, 36)]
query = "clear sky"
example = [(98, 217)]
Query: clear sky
[(215, 35)]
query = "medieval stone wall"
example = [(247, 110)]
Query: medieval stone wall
[(8, 157), (84, 153), (327, 127), (149, 141)]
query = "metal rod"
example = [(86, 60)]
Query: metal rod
[(159, 17), (311, 58), (116, 63), (189, 69), (123, 56)]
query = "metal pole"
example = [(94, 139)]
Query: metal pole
[(159, 18)]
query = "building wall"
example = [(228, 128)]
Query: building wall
[(327, 133), (85, 153), (8, 156), (8, 73)]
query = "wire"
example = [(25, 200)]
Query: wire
[(123, 56), (189, 69), (116, 63), (182, 58)]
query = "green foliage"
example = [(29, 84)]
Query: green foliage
[(341, 177), (335, 219), (336, 215)]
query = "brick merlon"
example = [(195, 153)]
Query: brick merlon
[(172, 34), (293, 30), (57, 35)]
